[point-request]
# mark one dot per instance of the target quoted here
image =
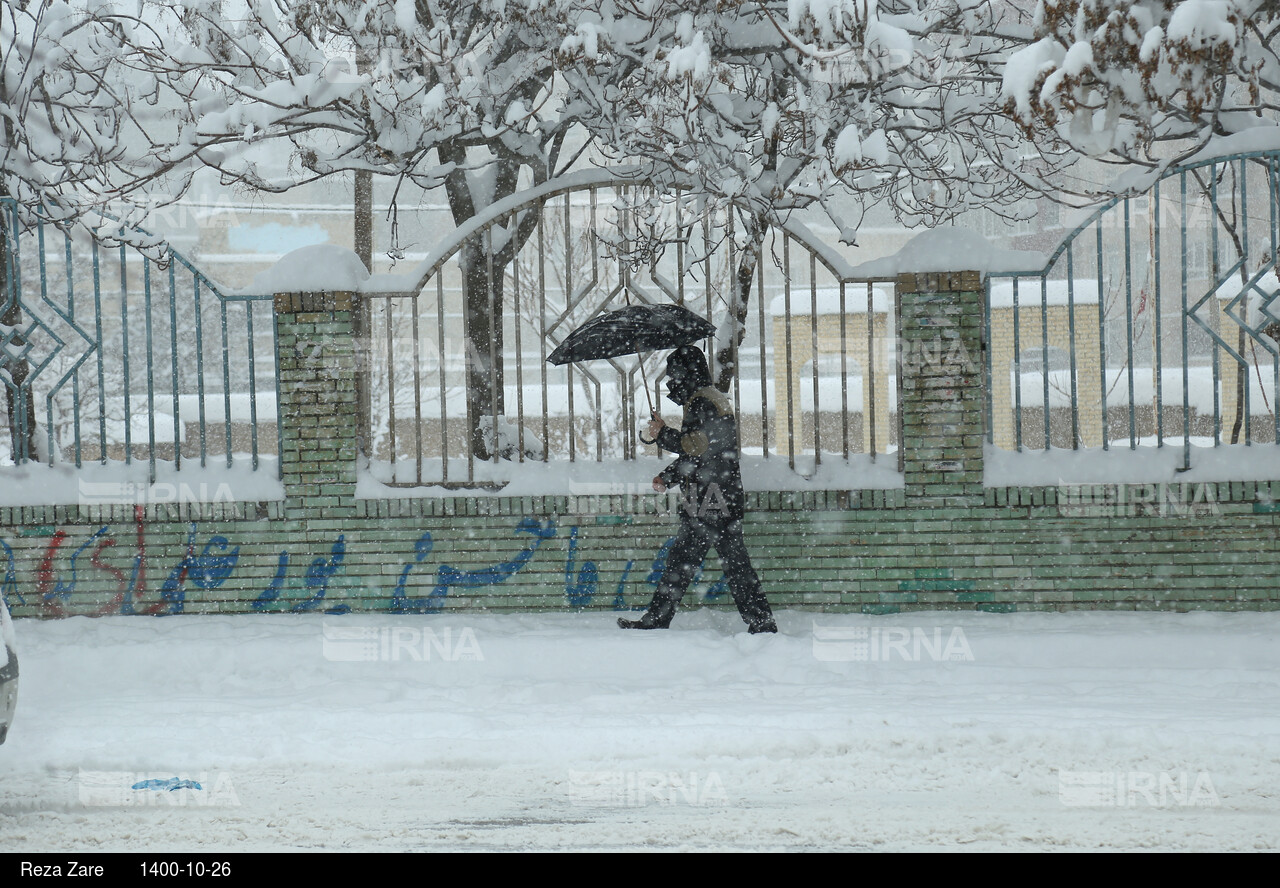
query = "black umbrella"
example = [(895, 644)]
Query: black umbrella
[(631, 330)]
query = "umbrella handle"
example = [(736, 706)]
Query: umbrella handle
[(653, 414)]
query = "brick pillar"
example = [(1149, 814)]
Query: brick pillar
[(318, 410), (942, 406)]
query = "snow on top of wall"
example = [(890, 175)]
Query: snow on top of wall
[(617, 477), (1146, 464), (950, 249), (828, 301), (1081, 292), (313, 269)]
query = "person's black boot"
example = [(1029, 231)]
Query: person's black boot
[(766, 625), (658, 616)]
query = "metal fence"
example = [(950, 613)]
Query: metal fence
[(814, 381), (111, 354), (1154, 323)]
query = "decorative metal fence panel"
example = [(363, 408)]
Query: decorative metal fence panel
[(813, 383), (109, 354), (1154, 324)]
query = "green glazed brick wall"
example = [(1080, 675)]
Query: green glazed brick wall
[(942, 541), (870, 551)]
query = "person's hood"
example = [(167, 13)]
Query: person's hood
[(686, 373)]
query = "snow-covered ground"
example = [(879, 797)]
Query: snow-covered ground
[(917, 731)]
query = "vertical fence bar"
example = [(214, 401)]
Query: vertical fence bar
[(23, 453), (415, 319), (253, 387), (1215, 270), (444, 418), (226, 376), (204, 441), (388, 310), (1044, 351), (595, 277), (813, 350), (844, 375), (495, 329), (868, 372), (1186, 359), (764, 373), (1244, 258), (151, 390), (1102, 341), (517, 329), (786, 327), (1154, 222), (173, 371), (1017, 370), (124, 336), (542, 328), (97, 323), (1128, 317), (75, 379), (1272, 186), (898, 383), (1071, 336), (568, 295), (44, 297)]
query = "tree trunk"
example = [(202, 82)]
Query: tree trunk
[(19, 400), (734, 329), (482, 319)]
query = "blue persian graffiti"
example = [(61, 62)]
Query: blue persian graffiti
[(619, 600), (207, 570), (272, 592), (316, 580), (62, 590), (400, 603), (579, 593), (451, 578)]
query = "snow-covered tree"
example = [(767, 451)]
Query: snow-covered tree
[(75, 117), (1147, 82), (771, 107), (457, 94)]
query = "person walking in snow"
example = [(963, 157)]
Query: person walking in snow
[(708, 473)]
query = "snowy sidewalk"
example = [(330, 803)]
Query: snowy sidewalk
[(935, 730)]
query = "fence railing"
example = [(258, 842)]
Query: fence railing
[(1155, 322), (814, 380), (110, 354)]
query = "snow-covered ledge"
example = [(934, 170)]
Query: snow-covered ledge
[(948, 249)]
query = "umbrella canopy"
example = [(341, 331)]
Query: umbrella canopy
[(631, 330)]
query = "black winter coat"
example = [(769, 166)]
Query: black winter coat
[(707, 470)]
